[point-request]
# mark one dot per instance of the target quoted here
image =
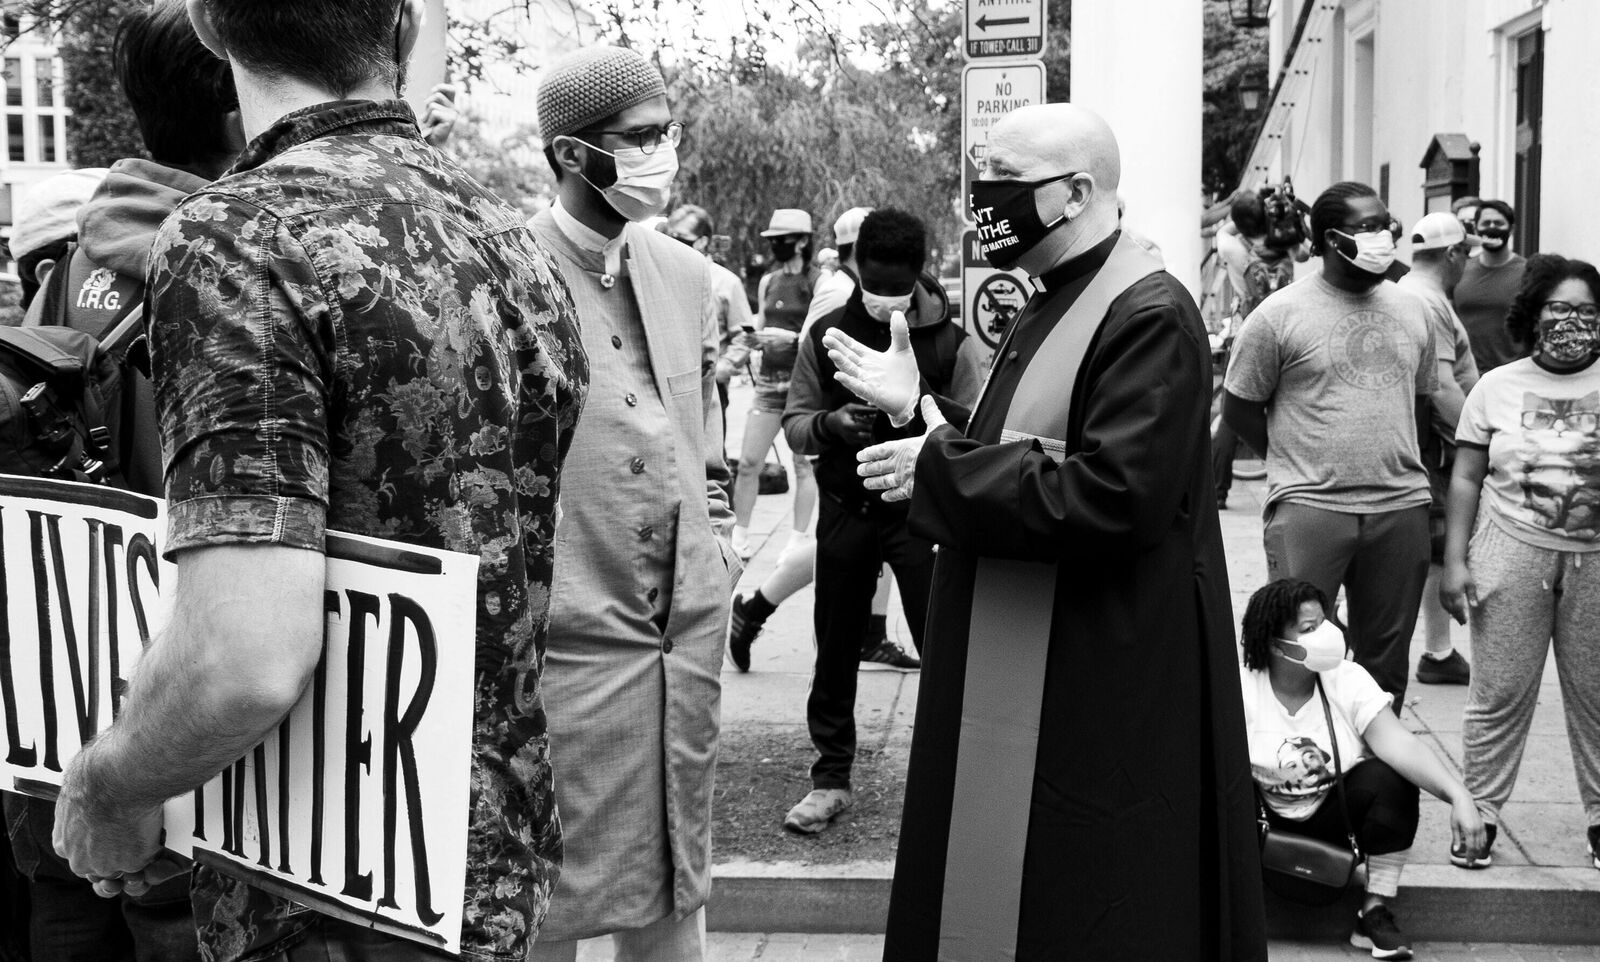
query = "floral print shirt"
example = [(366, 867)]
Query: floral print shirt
[(348, 332)]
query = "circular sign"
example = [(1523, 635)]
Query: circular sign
[(1365, 351), (999, 300)]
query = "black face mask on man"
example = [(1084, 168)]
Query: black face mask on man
[(1008, 219), (1494, 238)]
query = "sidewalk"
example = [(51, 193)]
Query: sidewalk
[(1541, 889)]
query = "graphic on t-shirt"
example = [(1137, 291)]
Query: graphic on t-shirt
[(1302, 769), (1365, 351), (1559, 462)]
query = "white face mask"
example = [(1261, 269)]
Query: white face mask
[(644, 181), (1324, 647), (882, 308), (1374, 250)]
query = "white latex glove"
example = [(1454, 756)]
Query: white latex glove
[(891, 467), (439, 115), (888, 380)]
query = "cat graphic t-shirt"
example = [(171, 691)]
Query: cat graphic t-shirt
[(1542, 432)]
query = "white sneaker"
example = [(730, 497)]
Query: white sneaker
[(816, 811)]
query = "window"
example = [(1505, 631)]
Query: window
[(35, 115), (1529, 139)]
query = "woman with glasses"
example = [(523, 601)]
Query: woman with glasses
[(1523, 528)]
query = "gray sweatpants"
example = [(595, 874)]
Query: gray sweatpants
[(1527, 597)]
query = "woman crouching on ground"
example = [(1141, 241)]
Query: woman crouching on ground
[(1291, 651)]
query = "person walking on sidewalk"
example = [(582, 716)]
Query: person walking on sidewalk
[(1522, 556), (1293, 660), (1487, 287), (856, 531), (1327, 380), (1440, 249), (782, 298), (639, 604)]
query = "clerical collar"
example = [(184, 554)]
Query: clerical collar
[(591, 241), (1079, 267)]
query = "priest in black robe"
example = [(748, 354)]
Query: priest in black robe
[(1079, 785)]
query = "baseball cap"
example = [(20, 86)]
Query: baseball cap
[(1439, 229), (47, 212), (787, 220), (848, 227)]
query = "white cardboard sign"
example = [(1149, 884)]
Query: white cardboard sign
[(357, 804)]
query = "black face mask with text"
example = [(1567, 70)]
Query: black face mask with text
[(1007, 218)]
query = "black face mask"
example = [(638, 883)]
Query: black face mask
[(783, 249), (1007, 218), (1494, 236)]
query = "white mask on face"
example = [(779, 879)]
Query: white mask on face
[(882, 308), (1374, 250), (644, 181), (1324, 647)]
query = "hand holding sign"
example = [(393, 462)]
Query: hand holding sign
[(892, 467), (888, 380), (100, 841)]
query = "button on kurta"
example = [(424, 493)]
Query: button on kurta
[(616, 342), (652, 595), (666, 647), (637, 466), (646, 533), (632, 400)]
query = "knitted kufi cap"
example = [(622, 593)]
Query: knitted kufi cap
[(589, 85)]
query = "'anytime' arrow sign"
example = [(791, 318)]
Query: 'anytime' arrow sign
[(1003, 28)]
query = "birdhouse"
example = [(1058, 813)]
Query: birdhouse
[(1450, 171)]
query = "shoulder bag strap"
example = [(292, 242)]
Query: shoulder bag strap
[(1338, 770)]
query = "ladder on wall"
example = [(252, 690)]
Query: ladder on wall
[(1293, 86)]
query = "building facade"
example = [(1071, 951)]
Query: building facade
[(35, 110), (1507, 87)]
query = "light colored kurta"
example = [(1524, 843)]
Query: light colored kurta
[(639, 610)]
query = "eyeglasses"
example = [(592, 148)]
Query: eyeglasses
[(648, 139), (1584, 422), (1561, 311)]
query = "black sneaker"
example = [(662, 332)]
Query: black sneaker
[(1452, 669), (887, 654), (742, 632), (1461, 858), (1376, 930), (1594, 845)]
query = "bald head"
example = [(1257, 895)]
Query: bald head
[(1044, 140)]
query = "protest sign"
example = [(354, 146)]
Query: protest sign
[(357, 804)]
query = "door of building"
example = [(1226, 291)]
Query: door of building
[(1530, 138)]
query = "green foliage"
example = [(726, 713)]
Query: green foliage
[(101, 129), (513, 166), (1232, 55)]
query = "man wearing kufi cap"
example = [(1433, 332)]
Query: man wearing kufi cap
[(639, 607), (1440, 250)]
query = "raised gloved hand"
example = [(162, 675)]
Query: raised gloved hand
[(888, 380), (891, 467)]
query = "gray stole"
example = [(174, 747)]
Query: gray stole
[(1007, 650)]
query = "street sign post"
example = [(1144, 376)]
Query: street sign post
[(991, 298), (989, 92), (1003, 28)]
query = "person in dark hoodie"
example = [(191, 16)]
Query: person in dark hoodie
[(856, 531), (183, 98)]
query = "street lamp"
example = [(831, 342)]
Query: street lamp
[(1251, 90), (1246, 14)]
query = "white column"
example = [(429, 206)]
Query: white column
[(428, 67), (1137, 63)]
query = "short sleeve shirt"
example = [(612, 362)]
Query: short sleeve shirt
[(1542, 433), (1340, 374), (348, 332), (1450, 341), (1291, 755)]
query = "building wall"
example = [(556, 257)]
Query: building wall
[(1392, 73)]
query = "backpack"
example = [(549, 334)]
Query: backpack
[(63, 391)]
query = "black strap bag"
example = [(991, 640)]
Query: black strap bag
[(1309, 870)]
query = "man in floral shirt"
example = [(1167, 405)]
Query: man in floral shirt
[(347, 333)]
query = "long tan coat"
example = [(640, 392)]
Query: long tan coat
[(639, 609)]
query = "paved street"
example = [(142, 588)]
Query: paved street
[(748, 947)]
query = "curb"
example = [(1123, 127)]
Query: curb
[(1517, 904)]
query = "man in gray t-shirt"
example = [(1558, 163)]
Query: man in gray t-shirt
[(1326, 378)]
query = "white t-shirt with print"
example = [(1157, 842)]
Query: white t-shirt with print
[(1542, 432), (1291, 756)]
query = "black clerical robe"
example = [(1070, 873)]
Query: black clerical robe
[(1140, 836)]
